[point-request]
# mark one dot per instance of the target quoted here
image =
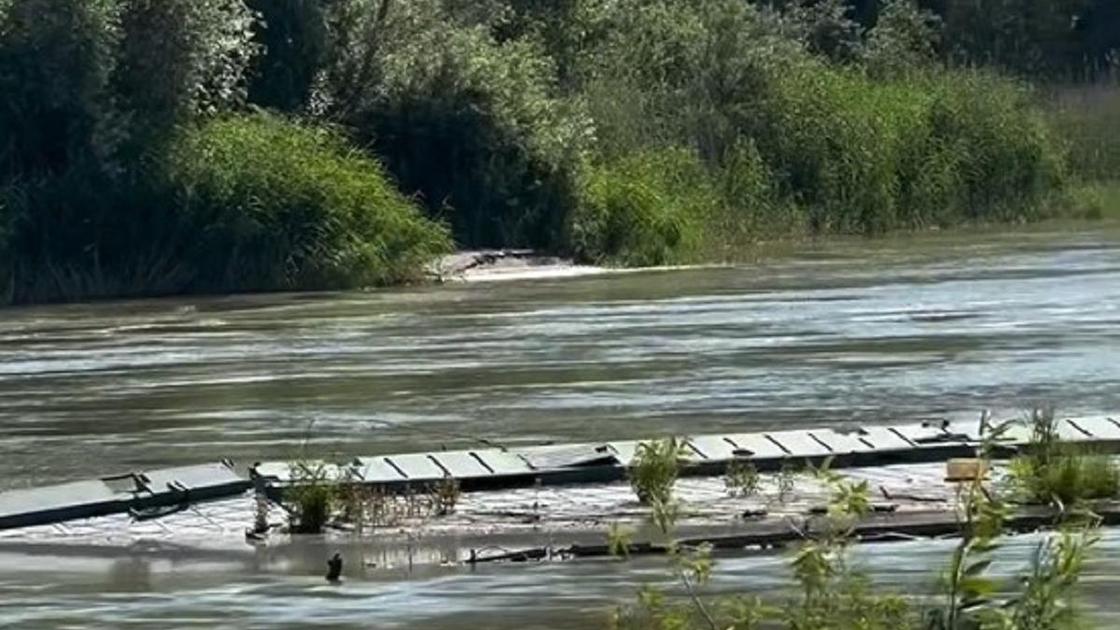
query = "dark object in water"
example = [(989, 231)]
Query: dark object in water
[(334, 568)]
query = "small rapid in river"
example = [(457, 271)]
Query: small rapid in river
[(866, 332)]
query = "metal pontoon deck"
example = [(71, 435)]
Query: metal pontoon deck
[(145, 493)]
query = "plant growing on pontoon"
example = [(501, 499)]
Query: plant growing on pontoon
[(360, 505), (742, 479), (690, 565), (445, 495), (655, 469), (787, 480), (1058, 473), (966, 588), (310, 498), (1043, 600), (968, 591), (833, 596), (619, 539)]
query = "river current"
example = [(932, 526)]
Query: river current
[(859, 331)]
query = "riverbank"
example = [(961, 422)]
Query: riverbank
[(1098, 208), (599, 157)]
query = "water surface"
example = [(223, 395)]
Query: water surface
[(850, 332)]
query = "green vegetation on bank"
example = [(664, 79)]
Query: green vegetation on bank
[(237, 203), (230, 145), (283, 206)]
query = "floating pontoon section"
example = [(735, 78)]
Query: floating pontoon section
[(137, 492), (145, 494), (486, 469)]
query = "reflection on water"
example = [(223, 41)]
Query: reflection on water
[(851, 332)]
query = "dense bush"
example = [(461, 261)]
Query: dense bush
[(644, 209), (1089, 117), (632, 132), (179, 59), (905, 40), (658, 207), (469, 123), (281, 206), (294, 37), (833, 140), (1010, 159), (56, 62), (79, 234), (884, 142), (866, 156), (1054, 39), (91, 92), (102, 81), (239, 204)]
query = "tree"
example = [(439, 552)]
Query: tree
[(294, 37), (181, 59), (57, 58), (905, 38), (471, 124)]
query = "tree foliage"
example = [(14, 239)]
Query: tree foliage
[(57, 59), (470, 123), (625, 131), (1061, 39), (179, 59), (295, 40)]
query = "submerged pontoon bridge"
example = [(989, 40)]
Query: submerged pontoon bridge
[(148, 494)]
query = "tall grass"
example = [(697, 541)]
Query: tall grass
[(84, 234), (283, 206), (243, 203), (1053, 471), (819, 149), (868, 156), (645, 209), (1088, 116), (1069, 479)]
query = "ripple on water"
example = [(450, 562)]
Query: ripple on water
[(861, 332)]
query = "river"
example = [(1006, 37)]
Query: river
[(854, 331)]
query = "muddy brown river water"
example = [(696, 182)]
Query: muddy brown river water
[(849, 332)]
